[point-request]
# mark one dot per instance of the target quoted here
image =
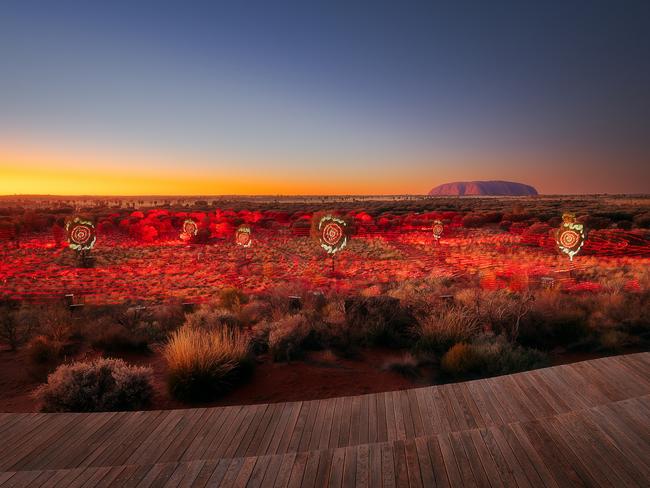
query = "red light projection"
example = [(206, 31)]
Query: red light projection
[(141, 258)]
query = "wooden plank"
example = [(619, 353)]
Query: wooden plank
[(324, 467), (463, 461), (257, 475), (364, 420), (235, 435), (336, 468), (413, 464), (622, 440), (245, 472), (350, 466), (400, 424), (199, 444), (548, 456), (449, 459), (587, 447), (251, 431), (345, 420), (363, 465), (292, 419), (298, 468), (404, 406), (382, 426), (272, 469), (311, 469), (326, 428), (316, 427), (355, 421), (275, 422), (374, 465), (387, 466), (300, 426), (438, 464), (285, 470)]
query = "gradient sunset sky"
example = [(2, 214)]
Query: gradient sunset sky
[(376, 97)]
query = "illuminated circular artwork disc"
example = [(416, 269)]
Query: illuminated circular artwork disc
[(332, 234), (570, 236), (437, 229), (243, 236), (190, 229), (81, 234)]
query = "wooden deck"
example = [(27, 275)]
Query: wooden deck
[(584, 424)]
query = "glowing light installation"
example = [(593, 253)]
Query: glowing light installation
[(81, 234), (332, 234), (570, 236), (190, 229), (437, 229), (243, 236)]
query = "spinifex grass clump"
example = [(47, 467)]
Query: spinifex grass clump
[(204, 364)]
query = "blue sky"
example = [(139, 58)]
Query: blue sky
[(375, 96)]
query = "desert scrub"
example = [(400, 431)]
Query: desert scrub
[(489, 357), (554, 320), (42, 350), (407, 366), (438, 332), (286, 337), (204, 364), (378, 321), (210, 318), (102, 385)]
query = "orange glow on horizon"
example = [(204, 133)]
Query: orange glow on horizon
[(24, 170)]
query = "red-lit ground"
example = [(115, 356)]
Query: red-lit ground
[(126, 268)]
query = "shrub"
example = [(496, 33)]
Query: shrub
[(116, 338), (208, 318), (614, 340), (204, 364), (489, 358), (42, 350), (437, 332), (233, 298), (406, 366), (379, 321), (97, 386), (13, 331), (255, 311), (554, 320), (286, 337)]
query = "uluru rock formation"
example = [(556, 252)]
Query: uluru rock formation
[(484, 188)]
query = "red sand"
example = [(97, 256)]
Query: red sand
[(319, 375)]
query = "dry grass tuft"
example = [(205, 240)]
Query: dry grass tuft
[(204, 364)]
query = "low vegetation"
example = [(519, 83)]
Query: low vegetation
[(204, 364), (97, 386)]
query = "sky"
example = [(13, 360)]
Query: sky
[(332, 97)]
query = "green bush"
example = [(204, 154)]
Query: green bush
[(489, 358), (98, 386)]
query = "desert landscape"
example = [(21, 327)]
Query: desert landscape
[(324, 244), (395, 308)]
